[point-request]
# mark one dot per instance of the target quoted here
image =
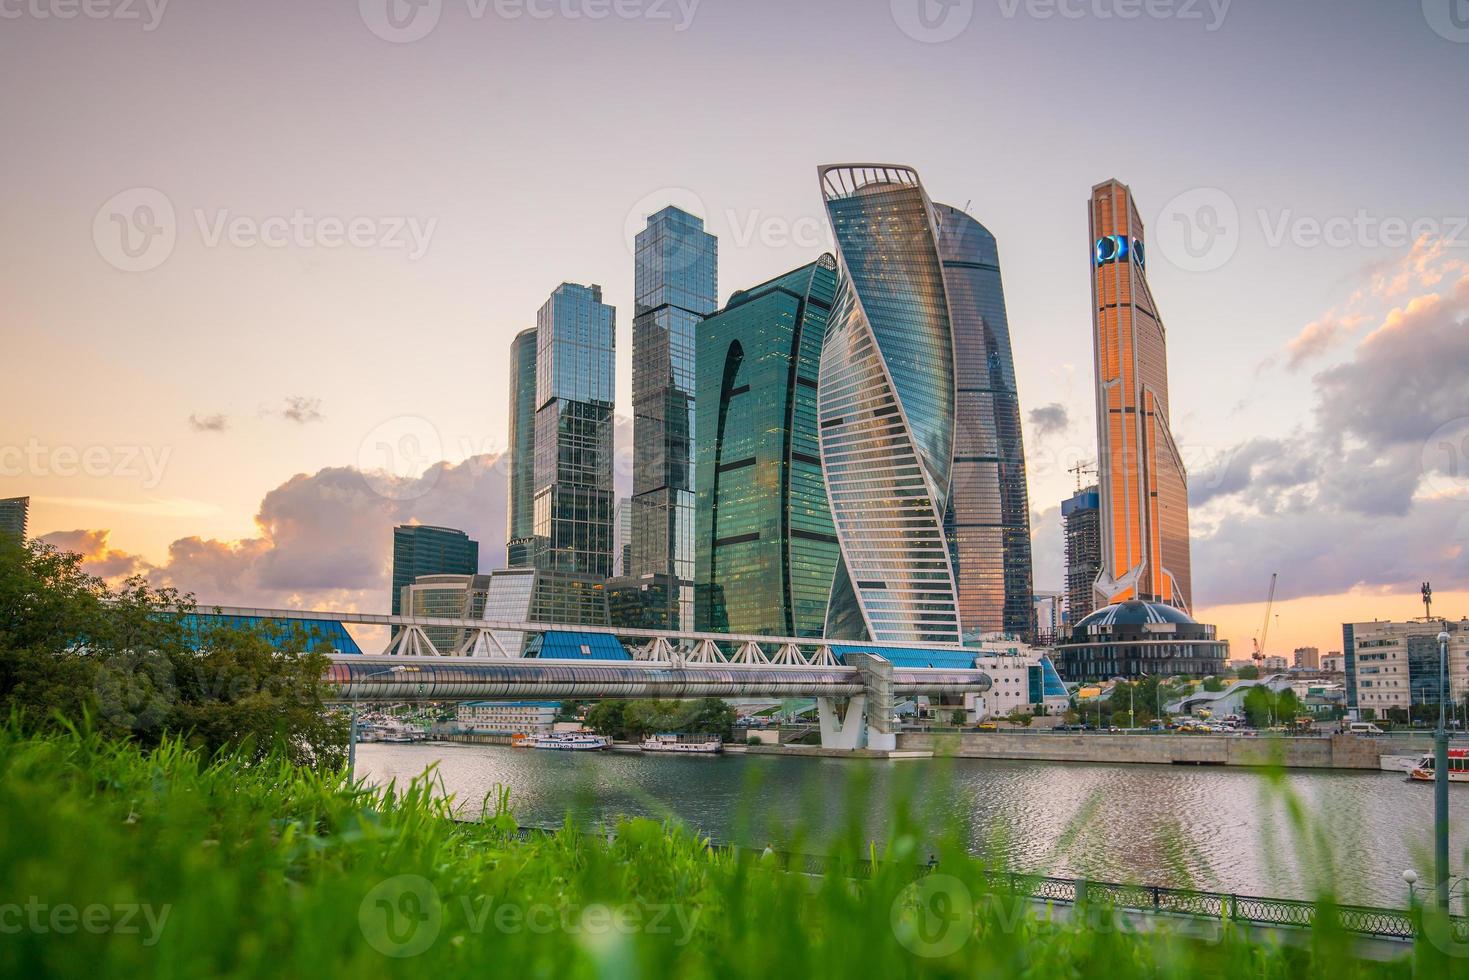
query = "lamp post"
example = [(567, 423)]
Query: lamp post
[(1441, 781), (1410, 877), (352, 735)]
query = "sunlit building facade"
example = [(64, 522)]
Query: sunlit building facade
[(765, 550), (520, 529), (886, 410), (675, 287), (14, 515), (988, 518), (423, 549), (1144, 488)]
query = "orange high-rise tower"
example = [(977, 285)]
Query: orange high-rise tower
[(1144, 488)]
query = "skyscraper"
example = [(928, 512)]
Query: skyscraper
[(675, 286), (14, 516), (766, 550), (572, 500), (1082, 531), (422, 549), (520, 523), (572, 503), (988, 518), (621, 536), (886, 408), (1144, 488)]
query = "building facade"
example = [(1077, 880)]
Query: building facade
[(1135, 638), (14, 516), (1023, 679), (1144, 487), (675, 286), (507, 717), (520, 501), (987, 521), (886, 410), (765, 550), (1307, 658), (1081, 520), (622, 536), (446, 597), (573, 496), (1049, 617), (1396, 666), (422, 549)]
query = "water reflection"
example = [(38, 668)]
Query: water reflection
[(1222, 829)]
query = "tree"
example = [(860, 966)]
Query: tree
[(1249, 672), (1213, 684), (73, 651), (607, 718)]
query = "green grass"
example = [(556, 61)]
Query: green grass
[(268, 870)]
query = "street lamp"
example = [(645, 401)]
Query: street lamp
[(352, 736), (1411, 878), (1441, 781)]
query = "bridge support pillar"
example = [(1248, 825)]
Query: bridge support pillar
[(868, 721), (842, 729)]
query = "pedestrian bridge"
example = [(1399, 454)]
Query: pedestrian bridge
[(855, 684)]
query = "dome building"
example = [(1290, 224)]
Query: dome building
[(1135, 638)]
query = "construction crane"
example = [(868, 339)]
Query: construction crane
[(1082, 468), (1259, 654)]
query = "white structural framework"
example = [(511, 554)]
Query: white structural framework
[(854, 690)]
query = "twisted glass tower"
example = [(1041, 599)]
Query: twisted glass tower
[(886, 403), (988, 519)]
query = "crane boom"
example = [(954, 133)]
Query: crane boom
[(1265, 629)]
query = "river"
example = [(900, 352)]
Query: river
[(1215, 828)]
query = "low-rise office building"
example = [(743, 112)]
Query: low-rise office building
[(1395, 666), (510, 717)]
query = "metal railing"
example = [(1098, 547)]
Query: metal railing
[(1255, 910)]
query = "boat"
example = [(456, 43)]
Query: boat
[(683, 744), (1458, 767), (572, 741), (520, 740)]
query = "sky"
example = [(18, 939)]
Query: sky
[(262, 262)]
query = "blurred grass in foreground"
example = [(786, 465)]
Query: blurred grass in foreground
[(232, 867)]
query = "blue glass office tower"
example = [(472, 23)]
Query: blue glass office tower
[(675, 287), (988, 518), (521, 447), (572, 502), (886, 404), (421, 549), (766, 551)]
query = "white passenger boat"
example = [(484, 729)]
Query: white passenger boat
[(572, 741), (684, 744), (1458, 767)]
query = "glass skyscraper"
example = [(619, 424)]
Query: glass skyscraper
[(675, 287), (572, 503), (1144, 488), (520, 523), (766, 550), (572, 497), (886, 404), (14, 515), (988, 518), (422, 549)]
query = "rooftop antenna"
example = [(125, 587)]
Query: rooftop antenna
[(1427, 591)]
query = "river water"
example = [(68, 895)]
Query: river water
[(1215, 828)]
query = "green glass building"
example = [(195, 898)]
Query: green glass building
[(765, 548)]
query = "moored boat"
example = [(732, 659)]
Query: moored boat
[(683, 744), (1458, 767), (572, 741)]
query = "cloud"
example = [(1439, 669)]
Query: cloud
[(1341, 502), (1319, 336), (324, 539), (209, 423), (301, 410), (1049, 419)]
